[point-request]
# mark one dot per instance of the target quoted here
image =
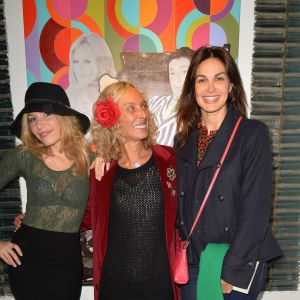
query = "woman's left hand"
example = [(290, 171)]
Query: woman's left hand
[(226, 287)]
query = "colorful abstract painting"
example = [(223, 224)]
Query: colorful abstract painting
[(51, 27)]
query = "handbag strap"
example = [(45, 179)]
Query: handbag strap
[(215, 176)]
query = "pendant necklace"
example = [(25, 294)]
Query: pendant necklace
[(136, 165)]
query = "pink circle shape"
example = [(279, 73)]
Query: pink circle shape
[(70, 9), (201, 36), (208, 34)]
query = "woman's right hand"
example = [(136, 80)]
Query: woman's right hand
[(10, 253), (18, 221), (100, 167)]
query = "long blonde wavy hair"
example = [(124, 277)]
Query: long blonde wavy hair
[(73, 142), (108, 141)]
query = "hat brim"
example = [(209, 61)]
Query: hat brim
[(50, 107)]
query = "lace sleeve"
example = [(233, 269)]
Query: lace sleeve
[(10, 166)]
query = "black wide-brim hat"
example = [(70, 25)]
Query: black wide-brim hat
[(49, 98)]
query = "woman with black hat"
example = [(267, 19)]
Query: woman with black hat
[(44, 256)]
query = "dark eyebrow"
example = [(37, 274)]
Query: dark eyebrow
[(221, 73)]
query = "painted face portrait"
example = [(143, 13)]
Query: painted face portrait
[(90, 59), (164, 107), (177, 72), (84, 65)]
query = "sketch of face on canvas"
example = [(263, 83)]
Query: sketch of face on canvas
[(164, 107), (84, 65), (177, 72), (90, 59)]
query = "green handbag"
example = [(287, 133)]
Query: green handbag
[(209, 279)]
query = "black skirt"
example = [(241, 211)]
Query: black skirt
[(51, 265)]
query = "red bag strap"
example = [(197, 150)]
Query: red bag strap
[(215, 176)]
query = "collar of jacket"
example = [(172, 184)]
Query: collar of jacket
[(212, 157)]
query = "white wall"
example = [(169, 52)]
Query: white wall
[(17, 66), (246, 43)]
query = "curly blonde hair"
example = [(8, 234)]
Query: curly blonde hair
[(108, 141), (73, 142)]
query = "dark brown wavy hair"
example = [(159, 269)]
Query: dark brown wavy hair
[(188, 113)]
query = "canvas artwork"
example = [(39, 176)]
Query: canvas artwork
[(75, 43)]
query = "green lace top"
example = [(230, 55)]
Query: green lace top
[(56, 200)]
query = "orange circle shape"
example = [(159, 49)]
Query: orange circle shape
[(63, 41), (216, 6), (61, 77), (148, 12)]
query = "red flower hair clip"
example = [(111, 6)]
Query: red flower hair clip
[(107, 113)]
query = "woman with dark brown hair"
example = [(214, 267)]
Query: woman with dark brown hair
[(238, 208)]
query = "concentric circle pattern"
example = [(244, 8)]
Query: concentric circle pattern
[(126, 26)]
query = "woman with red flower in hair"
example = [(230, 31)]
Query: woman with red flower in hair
[(132, 210)]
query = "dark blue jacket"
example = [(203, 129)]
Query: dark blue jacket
[(238, 209)]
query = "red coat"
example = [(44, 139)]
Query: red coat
[(97, 213)]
